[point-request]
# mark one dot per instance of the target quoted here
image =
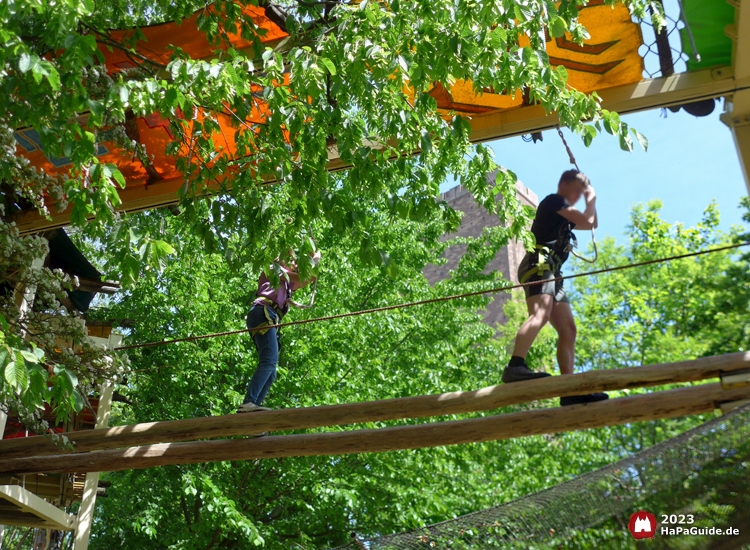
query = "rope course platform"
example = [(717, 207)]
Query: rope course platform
[(178, 441)]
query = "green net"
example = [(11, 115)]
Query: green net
[(704, 473)]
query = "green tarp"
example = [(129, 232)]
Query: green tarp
[(707, 19)]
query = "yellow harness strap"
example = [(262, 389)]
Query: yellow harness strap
[(271, 323), (541, 264)]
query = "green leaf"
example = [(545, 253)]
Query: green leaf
[(68, 376), (17, 375), (557, 27), (78, 402), (642, 140), (97, 108), (171, 97), (385, 258), (39, 353), (498, 37), (626, 143), (29, 356), (364, 252), (520, 15), (118, 177), (24, 62), (328, 64), (589, 133), (403, 64), (163, 248), (426, 142)]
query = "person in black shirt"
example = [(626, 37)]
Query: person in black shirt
[(553, 226)]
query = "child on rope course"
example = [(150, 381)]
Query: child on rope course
[(547, 302), (269, 307)]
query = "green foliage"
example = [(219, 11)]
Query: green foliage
[(363, 358), (38, 364), (349, 67), (669, 318), (314, 502)]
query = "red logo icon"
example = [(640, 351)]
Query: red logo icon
[(642, 525)]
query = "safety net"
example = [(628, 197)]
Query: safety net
[(703, 473)]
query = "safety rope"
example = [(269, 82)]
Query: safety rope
[(312, 298), (314, 288), (572, 159), (436, 300)]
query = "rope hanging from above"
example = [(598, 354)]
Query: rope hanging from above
[(572, 159), (315, 284)]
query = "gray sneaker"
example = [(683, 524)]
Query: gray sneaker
[(521, 373), (251, 407)]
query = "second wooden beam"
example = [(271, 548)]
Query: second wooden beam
[(638, 408)]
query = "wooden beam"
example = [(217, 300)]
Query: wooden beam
[(92, 285), (486, 399), (737, 117), (85, 518), (639, 408)]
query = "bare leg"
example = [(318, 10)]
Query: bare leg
[(565, 325), (540, 309)]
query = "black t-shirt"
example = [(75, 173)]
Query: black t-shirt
[(549, 226)]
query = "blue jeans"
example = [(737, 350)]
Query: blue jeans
[(267, 345)]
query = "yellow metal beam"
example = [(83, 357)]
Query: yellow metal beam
[(647, 94), (737, 113), (30, 510)]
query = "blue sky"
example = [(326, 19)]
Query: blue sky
[(690, 162)]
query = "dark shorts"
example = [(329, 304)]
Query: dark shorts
[(550, 286)]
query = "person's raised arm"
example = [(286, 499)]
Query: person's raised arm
[(294, 277), (586, 219)]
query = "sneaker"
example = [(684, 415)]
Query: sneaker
[(580, 399), (521, 373), (251, 407)]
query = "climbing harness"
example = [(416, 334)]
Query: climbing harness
[(545, 260), (573, 241)]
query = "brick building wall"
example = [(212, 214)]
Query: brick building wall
[(475, 219)]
